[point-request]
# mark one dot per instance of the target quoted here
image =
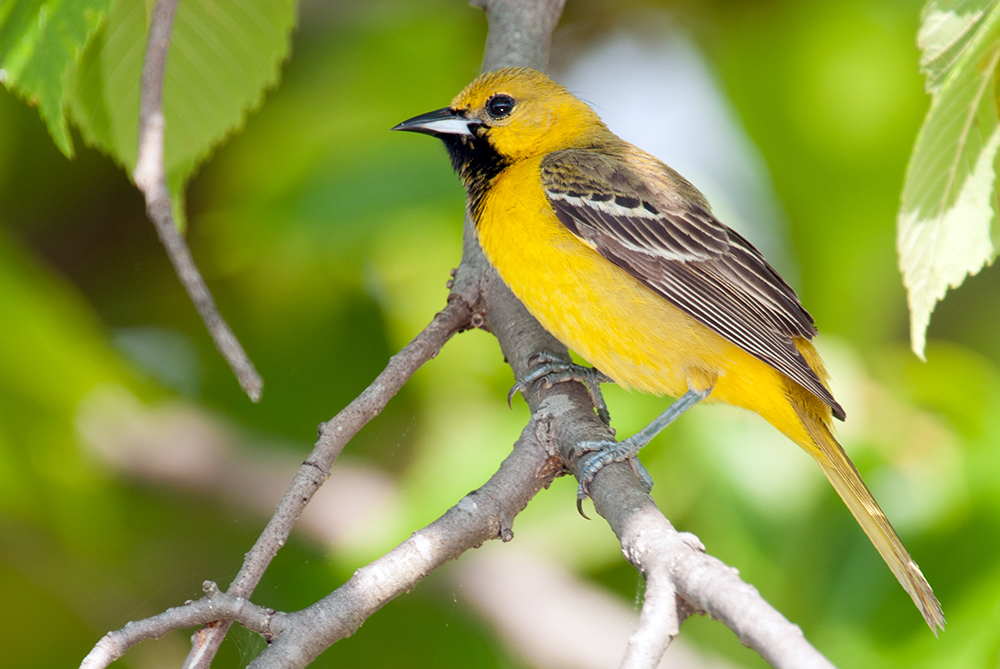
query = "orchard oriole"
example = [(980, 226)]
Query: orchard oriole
[(621, 258)]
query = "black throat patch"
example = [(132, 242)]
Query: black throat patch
[(476, 162)]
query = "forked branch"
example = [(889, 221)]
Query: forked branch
[(216, 605), (681, 578), (333, 436)]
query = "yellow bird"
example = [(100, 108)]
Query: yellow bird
[(621, 259)]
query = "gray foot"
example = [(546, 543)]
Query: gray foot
[(595, 455), (551, 370)]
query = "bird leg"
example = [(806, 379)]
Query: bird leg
[(598, 454), (552, 369)]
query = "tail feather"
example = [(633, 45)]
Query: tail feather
[(846, 480)]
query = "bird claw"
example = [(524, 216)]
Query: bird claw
[(551, 370), (598, 454), (513, 391)]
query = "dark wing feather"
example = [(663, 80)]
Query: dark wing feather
[(659, 229)]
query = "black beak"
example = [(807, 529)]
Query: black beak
[(445, 121)]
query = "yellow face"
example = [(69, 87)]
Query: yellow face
[(524, 114)]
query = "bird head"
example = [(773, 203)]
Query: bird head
[(506, 116)]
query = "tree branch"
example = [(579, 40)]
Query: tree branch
[(681, 577), (648, 539), (484, 514), (675, 562), (149, 176), (214, 606), (333, 436)]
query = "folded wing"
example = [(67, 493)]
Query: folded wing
[(657, 227)]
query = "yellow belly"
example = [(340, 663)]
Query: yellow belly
[(608, 317)]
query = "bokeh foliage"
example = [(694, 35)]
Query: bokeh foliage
[(328, 241)]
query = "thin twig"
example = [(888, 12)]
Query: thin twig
[(149, 176), (334, 435), (659, 623), (213, 606)]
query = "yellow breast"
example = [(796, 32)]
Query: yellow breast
[(603, 313)]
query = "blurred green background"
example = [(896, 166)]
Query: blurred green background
[(132, 468)]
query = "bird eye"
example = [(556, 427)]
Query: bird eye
[(499, 106)]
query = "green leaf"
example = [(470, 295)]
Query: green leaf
[(40, 41), (223, 55), (949, 199), (946, 29)]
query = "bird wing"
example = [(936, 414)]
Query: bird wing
[(652, 223)]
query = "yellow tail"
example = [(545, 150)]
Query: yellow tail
[(847, 481)]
